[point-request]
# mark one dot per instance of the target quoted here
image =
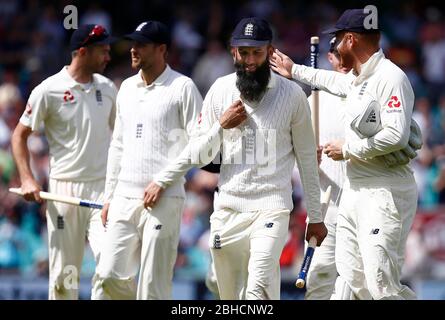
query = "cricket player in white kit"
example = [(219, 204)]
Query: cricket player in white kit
[(322, 273), (379, 201), (157, 110), (250, 223), (77, 108)]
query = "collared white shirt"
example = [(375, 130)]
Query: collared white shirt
[(153, 125), (78, 124), (380, 81)]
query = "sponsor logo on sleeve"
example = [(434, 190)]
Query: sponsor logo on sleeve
[(394, 105)]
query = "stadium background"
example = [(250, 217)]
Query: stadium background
[(33, 46)]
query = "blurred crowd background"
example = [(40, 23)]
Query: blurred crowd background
[(34, 45)]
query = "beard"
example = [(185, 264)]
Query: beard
[(345, 57), (252, 85)]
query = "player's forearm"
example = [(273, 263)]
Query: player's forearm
[(21, 156), (113, 169), (194, 155), (387, 140), (330, 81), (303, 141), (307, 167)]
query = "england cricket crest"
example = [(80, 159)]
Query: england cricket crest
[(99, 97), (248, 30)]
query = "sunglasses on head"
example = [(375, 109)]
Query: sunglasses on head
[(97, 32)]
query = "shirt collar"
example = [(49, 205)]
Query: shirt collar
[(70, 81), (272, 81), (368, 68), (160, 80)]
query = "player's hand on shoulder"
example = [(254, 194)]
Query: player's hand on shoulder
[(31, 189), (234, 115), (152, 194), (281, 64)]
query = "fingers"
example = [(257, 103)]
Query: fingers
[(150, 200), (33, 196), (37, 197), (104, 217), (279, 54), (104, 214)]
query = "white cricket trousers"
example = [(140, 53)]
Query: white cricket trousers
[(68, 228), (246, 248), (322, 272), (374, 219), (143, 241)]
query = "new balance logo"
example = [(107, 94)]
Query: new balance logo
[(158, 227), (248, 30), (371, 117), (375, 231), (269, 225)]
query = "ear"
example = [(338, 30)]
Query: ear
[(163, 48), (82, 51), (270, 50), (352, 39), (233, 51), (330, 57)]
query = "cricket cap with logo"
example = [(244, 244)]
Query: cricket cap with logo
[(251, 32), (353, 20), (90, 34), (150, 32)]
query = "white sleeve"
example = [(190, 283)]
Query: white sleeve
[(114, 156), (331, 81), (36, 108), (303, 141), (113, 107), (396, 101), (191, 107), (207, 138)]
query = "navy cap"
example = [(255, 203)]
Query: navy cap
[(351, 20), (251, 32), (150, 32), (89, 34)]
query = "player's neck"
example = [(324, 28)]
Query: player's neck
[(151, 74), (362, 57), (79, 74)]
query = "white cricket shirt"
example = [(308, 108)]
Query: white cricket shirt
[(331, 127), (380, 81), (153, 125), (278, 131), (77, 123)]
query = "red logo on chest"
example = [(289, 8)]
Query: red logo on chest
[(394, 102), (68, 96)]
